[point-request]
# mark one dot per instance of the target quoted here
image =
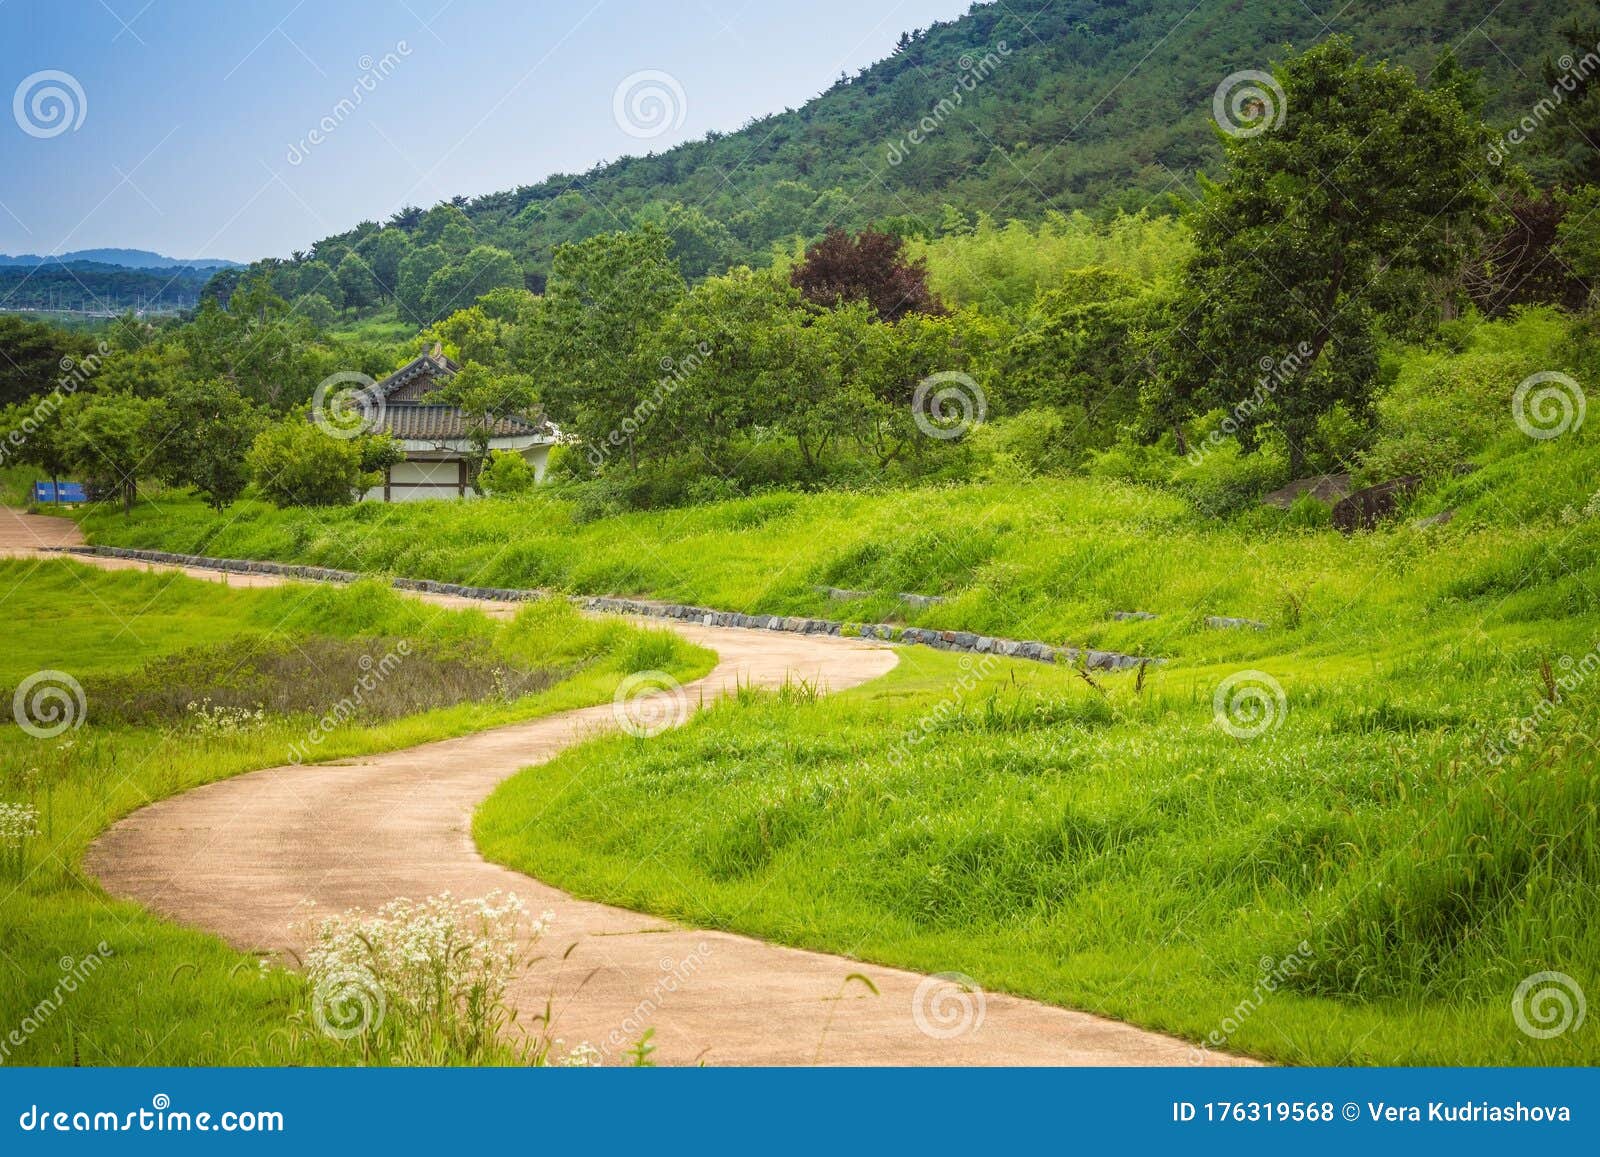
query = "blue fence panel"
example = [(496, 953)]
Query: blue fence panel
[(59, 492)]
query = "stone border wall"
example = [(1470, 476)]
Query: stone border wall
[(967, 641)]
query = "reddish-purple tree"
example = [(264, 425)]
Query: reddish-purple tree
[(867, 267), (1519, 266)]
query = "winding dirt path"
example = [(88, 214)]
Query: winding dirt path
[(241, 858)]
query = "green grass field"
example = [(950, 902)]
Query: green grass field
[(166, 995), (1122, 853)]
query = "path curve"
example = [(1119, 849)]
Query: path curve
[(241, 857)]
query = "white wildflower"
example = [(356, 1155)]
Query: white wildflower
[(18, 822), (583, 1056), (212, 722)]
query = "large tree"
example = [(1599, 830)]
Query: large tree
[(36, 357), (459, 283), (356, 282), (604, 300), (108, 437), (868, 267), (200, 433), (1367, 176)]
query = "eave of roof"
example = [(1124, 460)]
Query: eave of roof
[(417, 421)]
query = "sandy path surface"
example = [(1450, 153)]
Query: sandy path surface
[(241, 858)]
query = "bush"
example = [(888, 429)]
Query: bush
[(1444, 407), (1441, 410), (1036, 441), (1226, 481), (1127, 462), (507, 474), (294, 463)]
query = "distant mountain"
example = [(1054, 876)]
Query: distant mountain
[(124, 258)]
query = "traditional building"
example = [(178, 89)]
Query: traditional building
[(436, 438)]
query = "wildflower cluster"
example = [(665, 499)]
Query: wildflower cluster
[(18, 822), (1572, 516), (424, 980), (219, 721)]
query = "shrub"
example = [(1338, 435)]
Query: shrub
[(1127, 462), (296, 464), (1226, 481), (507, 474), (1036, 441)]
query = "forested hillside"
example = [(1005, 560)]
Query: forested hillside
[(97, 287), (1089, 104)]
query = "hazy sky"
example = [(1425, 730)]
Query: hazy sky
[(187, 127)]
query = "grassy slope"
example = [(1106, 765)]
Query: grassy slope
[(169, 995), (1127, 858), (1044, 559)]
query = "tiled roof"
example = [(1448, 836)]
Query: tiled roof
[(433, 364), (425, 423)]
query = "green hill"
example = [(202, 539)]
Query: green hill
[(1088, 104)]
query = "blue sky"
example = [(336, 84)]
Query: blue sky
[(186, 127)]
